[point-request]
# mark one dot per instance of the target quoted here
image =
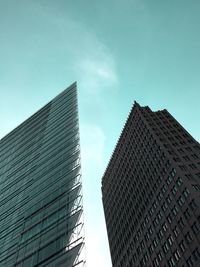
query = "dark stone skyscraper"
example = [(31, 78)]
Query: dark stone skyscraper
[(40, 188), (151, 193)]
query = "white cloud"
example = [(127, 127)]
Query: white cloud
[(93, 63), (92, 144), (89, 53), (96, 73)]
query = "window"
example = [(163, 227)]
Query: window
[(160, 234), (165, 247), (164, 207), (164, 188), (173, 172), (196, 187), (179, 181), (182, 245), (189, 262), (174, 190), (198, 174), (186, 192), (139, 250), (139, 233), (193, 205), (155, 242), (143, 225), (181, 201), (169, 219), (146, 257), (159, 180), (177, 159), (188, 237), (196, 254), (195, 228), (176, 231), (183, 167), (182, 142), (171, 262), (188, 176), (155, 204), (146, 236), (159, 215), (194, 156), (170, 240), (169, 180), (135, 238), (193, 166), (151, 211), (134, 257), (176, 255), (175, 210), (155, 222), (147, 219), (151, 249), (150, 230), (155, 262), (181, 223), (169, 199), (159, 255), (164, 227), (187, 214), (160, 196), (186, 158)]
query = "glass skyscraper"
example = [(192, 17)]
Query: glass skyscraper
[(151, 193), (40, 188)]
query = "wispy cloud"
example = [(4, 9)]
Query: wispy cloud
[(93, 63), (96, 74), (92, 144)]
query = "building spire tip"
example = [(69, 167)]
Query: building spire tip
[(136, 103)]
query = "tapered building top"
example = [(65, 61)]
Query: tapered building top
[(40, 185)]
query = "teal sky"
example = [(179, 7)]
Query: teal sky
[(118, 51)]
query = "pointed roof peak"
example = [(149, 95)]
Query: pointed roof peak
[(136, 104)]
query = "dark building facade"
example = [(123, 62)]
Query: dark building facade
[(40, 188), (151, 193)]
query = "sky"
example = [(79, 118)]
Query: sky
[(118, 51)]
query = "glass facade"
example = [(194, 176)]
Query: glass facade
[(40, 188)]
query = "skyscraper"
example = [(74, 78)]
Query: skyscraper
[(151, 193), (40, 188)]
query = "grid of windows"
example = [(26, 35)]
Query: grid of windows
[(40, 188), (148, 200)]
